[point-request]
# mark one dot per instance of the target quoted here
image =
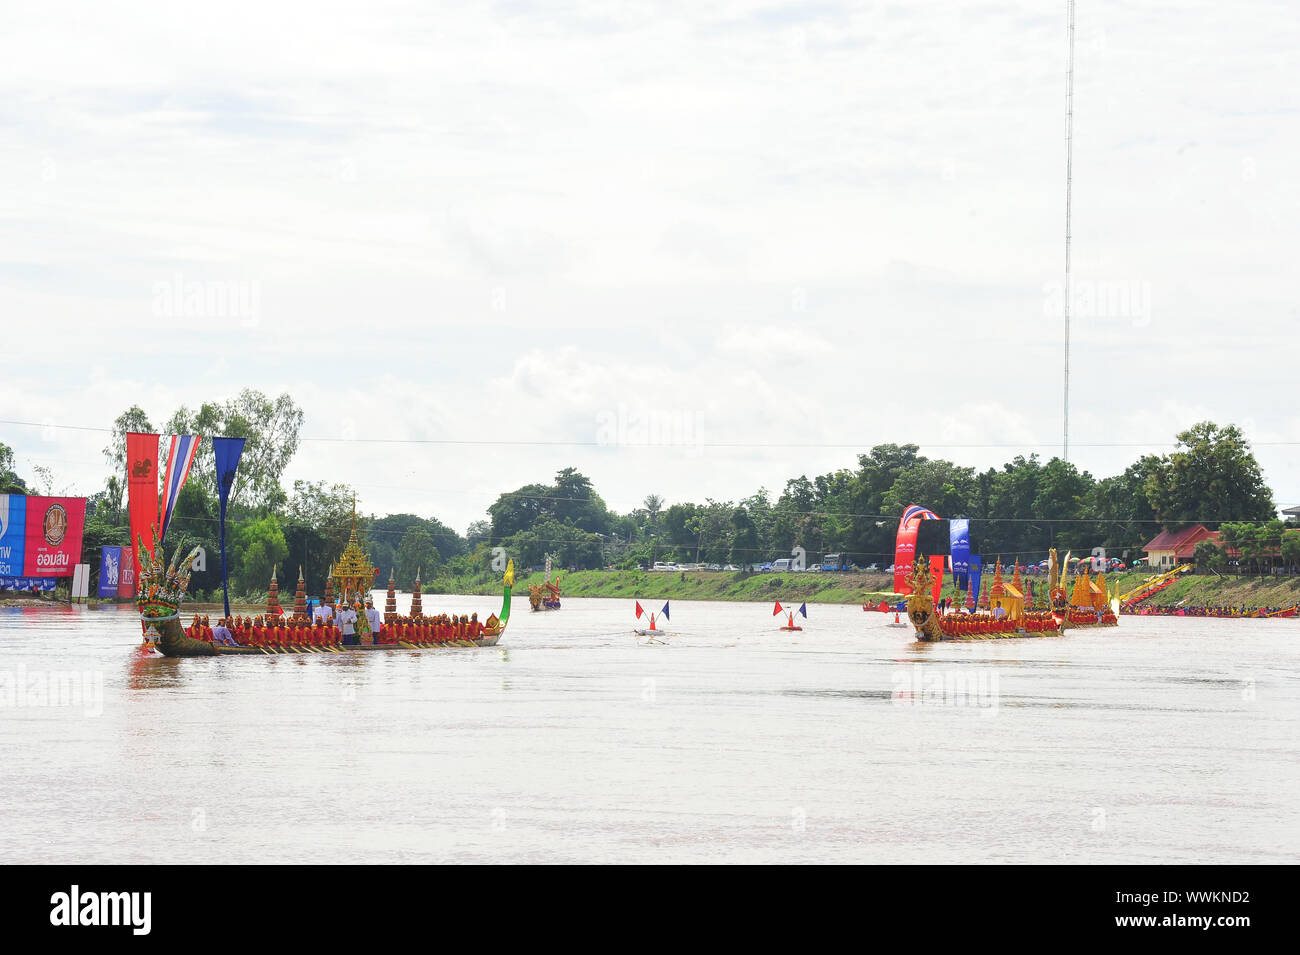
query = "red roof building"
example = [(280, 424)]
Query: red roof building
[(1168, 549)]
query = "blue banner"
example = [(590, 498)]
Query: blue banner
[(110, 570), (976, 566), (227, 451), (43, 584), (959, 551), (13, 534)]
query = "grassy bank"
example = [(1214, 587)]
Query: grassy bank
[(842, 588)]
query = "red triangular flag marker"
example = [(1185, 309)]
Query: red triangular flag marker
[(639, 611), (777, 609)]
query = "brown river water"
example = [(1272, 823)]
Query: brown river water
[(1163, 740)]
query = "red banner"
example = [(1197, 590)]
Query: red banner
[(936, 572), (126, 574), (142, 488), (53, 544), (904, 554)]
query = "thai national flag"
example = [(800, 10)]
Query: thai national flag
[(179, 459), (923, 513)]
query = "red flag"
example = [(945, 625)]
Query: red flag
[(884, 607), (142, 487), (639, 611), (904, 554), (777, 609)]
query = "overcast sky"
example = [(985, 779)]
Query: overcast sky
[(690, 249)]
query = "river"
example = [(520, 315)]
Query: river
[(1163, 740)]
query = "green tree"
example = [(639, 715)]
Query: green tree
[(1210, 477), (10, 482), (317, 526), (270, 427), (259, 546), (133, 419), (416, 554), (1208, 557)]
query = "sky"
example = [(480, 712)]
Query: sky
[(690, 249)]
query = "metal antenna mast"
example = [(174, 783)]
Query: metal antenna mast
[(1069, 182)]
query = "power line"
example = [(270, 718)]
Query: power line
[(808, 445)]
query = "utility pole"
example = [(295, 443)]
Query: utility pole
[(1069, 182)]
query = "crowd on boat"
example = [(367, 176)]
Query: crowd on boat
[(1212, 611), (346, 627), (982, 622)]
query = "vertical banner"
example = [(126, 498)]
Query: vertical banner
[(904, 554), (959, 551), (227, 451), (54, 528), (905, 544), (142, 491), (110, 570), (936, 574), (179, 460), (126, 573), (976, 568), (13, 534)]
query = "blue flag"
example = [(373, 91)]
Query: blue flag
[(110, 570), (959, 551), (227, 451), (665, 611), (803, 609)]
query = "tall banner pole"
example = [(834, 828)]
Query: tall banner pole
[(142, 492), (227, 451)]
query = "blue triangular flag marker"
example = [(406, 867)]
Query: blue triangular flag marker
[(665, 611), (803, 609)]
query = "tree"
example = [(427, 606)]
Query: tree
[(1208, 556), (259, 547), (271, 428), (1210, 477), (744, 538), (653, 505), (317, 526), (416, 554), (10, 482), (133, 419)]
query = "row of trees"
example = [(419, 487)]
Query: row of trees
[(1018, 510), (1245, 547), (267, 526)]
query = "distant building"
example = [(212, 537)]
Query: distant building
[(1291, 513), (1168, 549)]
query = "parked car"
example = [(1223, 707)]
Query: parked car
[(872, 568), (815, 567)]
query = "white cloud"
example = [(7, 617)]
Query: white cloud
[(499, 224)]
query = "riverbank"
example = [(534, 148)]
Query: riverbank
[(853, 588)]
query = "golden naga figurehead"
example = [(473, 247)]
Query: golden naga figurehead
[(509, 578), (920, 602)]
